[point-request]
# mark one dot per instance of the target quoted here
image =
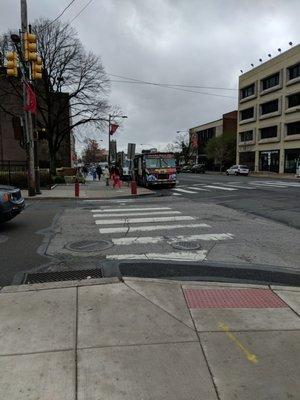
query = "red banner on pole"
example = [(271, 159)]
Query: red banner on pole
[(113, 128), (31, 104)]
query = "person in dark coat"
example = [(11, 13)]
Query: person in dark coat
[(99, 171)]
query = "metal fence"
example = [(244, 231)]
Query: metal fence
[(15, 173)]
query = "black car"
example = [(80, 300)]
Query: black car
[(186, 168), (198, 169), (11, 202)]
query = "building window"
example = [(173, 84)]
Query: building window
[(269, 132), (294, 100), (247, 91), (269, 107), (270, 82), (247, 113), (293, 128), (246, 136), (294, 71), (291, 160)]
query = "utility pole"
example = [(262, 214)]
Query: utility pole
[(108, 154), (27, 114)]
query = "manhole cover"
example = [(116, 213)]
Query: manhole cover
[(185, 245), (89, 246)]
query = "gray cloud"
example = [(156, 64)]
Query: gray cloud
[(172, 41)]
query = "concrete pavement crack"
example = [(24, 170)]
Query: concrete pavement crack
[(159, 307)]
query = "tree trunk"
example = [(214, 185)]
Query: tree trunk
[(52, 159)]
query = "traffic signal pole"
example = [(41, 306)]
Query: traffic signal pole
[(27, 115)]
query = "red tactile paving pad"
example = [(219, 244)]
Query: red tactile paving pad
[(232, 298)]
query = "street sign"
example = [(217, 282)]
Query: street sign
[(131, 151)]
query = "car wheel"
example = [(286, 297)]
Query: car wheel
[(227, 173), (236, 173)]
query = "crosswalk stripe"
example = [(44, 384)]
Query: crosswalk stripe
[(239, 187), (219, 187), (143, 220), (126, 241), (184, 190), (198, 255), (268, 185), (198, 188), (151, 228), (136, 214), (130, 209)]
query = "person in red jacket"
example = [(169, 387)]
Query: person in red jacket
[(116, 178)]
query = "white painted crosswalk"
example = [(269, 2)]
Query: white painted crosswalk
[(129, 221), (232, 186)]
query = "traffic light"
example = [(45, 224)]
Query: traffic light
[(37, 69), (30, 46), (12, 64)]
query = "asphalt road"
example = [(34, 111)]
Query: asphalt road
[(237, 220), (276, 199)]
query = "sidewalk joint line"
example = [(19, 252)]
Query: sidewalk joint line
[(137, 344), (76, 346), (159, 307), (201, 347)]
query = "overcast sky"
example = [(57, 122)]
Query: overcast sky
[(184, 42)]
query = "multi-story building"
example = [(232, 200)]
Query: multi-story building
[(268, 136), (200, 135)]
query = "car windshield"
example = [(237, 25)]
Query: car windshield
[(153, 162), (168, 162), (244, 166)]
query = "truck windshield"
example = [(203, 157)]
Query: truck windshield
[(160, 162), (153, 163), (168, 162)]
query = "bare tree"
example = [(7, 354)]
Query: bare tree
[(74, 87), (182, 147)]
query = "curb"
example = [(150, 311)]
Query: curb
[(35, 198)]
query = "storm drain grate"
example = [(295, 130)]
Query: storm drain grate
[(43, 277)]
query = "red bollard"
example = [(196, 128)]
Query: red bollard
[(76, 189), (133, 187)]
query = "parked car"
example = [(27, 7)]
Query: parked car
[(186, 168), (11, 202), (238, 170), (198, 169)]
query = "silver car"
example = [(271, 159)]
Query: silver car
[(238, 170)]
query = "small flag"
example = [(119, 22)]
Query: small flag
[(113, 128), (31, 104)]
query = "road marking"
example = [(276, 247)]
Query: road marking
[(131, 209), (268, 185), (250, 356), (219, 187), (184, 190), (176, 194), (198, 255), (126, 241), (135, 214), (143, 220), (151, 228), (197, 188), (238, 186)]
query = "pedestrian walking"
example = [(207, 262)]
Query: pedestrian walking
[(106, 175), (94, 173), (116, 178), (99, 171), (85, 171)]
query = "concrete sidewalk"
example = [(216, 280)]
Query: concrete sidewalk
[(149, 340), (89, 190)]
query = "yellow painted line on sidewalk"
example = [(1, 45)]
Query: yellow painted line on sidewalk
[(250, 356)]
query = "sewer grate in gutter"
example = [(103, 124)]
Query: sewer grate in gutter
[(43, 277)]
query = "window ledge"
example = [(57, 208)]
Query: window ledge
[(247, 143), (248, 98), (293, 81), (246, 121), (270, 115), (269, 140), (292, 109), (270, 90), (287, 138)]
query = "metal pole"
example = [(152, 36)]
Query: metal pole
[(27, 115), (108, 156)]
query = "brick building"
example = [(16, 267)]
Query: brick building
[(201, 134), (10, 148)]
